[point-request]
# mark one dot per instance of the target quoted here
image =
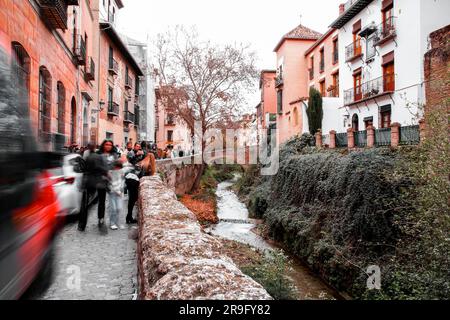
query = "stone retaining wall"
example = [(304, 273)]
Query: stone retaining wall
[(176, 260)]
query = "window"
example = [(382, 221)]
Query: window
[(356, 39), (110, 136), (61, 115), (322, 60), (311, 68), (21, 67), (335, 51), (322, 88), (45, 84), (389, 77), (357, 81), (126, 105), (111, 58), (280, 101), (387, 15), (170, 136), (110, 95), (385, 117), (335, 91)]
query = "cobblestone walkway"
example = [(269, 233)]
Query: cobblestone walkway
[(104, 259)]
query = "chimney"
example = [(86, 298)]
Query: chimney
[(341, 8)]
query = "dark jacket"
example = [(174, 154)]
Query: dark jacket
[(135, 159), (96, 174)]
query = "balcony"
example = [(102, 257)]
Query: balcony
[(54, 12), (279, 82), (369, 90), (136, 116), (113, 109), (89, 73), (128, 117), (113, 67), (79, 52), (128, 82), (311, 73), (333, 91), (387, 31), (353, 51)]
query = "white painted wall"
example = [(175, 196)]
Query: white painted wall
[(415, 20)]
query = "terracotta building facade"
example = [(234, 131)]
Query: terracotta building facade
[(54, 47)]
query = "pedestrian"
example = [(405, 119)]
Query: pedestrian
[(94, 179), (116, 194), (136, 155), (146, 167), (110, 156)]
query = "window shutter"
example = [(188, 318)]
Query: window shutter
[(388, 58), (357, 26)]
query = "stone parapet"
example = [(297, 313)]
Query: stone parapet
[(177, 260)]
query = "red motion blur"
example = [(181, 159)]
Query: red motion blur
[(41, 222)]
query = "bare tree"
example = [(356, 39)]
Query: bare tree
[(201, 81)]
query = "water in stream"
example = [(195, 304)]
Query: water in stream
[(235, 224)]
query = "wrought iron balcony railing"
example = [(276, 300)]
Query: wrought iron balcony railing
[(128, 82), (113, 66), (128, 117), (79, 51), (137, 115), (370, 89), (279, 81), (54, 13), (386, 30), (353, 51), (113, 108), (90, 70)]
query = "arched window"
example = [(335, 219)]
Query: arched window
[(355, 122), (73, 121), (61, 115), (45, 108), (21, 69), (295, 117)]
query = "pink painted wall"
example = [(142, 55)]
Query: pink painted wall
[(268, 96), (330, 67), (294, 87)]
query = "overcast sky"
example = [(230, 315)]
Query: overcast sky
[(260, 23)]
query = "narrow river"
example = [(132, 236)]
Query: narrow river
[(235, 224)]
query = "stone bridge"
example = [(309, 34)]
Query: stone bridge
[(181, 173)]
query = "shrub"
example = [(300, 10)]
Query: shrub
[(271, 274)]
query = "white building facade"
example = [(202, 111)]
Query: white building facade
[(381, 47)]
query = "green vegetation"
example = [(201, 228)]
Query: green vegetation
[(314, 111), (271, 272), (342, 212)]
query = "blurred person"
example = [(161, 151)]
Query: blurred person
[(109, 156), (94, 179), (29, 209), (116, 194)]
